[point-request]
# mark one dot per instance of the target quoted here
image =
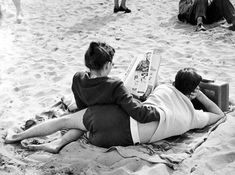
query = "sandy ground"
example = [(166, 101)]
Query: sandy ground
[(39, 57)]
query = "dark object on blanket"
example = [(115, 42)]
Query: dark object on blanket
[(29, 124), (217, 91), (57, 110)]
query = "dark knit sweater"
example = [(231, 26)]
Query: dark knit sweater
[(104, 90)]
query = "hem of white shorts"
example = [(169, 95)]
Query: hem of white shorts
[(134, 131)]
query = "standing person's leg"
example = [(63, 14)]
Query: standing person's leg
[(116, 6), (122, 7), (123, 4), (198, 9), (2, 4), (72, 121), (56, 145), (0, 11), (219, 9), (19, 15)]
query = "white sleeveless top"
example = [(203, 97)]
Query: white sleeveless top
[(177, 114)]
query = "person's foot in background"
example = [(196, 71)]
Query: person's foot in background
[(121, 8), (200, 26), (19, 14)]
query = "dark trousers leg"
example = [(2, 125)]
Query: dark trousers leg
[(219, 9), (199, 9)]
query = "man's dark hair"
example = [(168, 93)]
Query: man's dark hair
[(186, 80), (98, 54)]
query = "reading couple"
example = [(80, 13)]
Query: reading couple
[(110, 114)]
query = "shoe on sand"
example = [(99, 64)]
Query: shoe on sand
[(121, 9), (200, 27), (115, 10), (232, 27), (126, 10)]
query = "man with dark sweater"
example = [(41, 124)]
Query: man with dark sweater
[(198, 12)]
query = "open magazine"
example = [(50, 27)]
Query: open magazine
[(141, 76)]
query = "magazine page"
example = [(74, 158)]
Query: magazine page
[(155, 61), (141, 75)]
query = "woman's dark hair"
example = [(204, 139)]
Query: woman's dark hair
[(186, 80), (98, 54)]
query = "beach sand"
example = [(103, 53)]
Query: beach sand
[(39, 57)]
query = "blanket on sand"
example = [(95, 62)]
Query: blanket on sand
[(81, 157)]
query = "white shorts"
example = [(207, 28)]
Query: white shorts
[(134, 131)]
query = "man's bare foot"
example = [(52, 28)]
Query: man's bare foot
[(12, 135), (51, 147)]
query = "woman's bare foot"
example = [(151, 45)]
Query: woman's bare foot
[(12, 135), (51, 147)]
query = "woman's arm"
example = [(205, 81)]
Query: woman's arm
[(214, 112), (209, 105)]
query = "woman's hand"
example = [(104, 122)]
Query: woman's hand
[(199, 95), (195, 94), (209, 104)]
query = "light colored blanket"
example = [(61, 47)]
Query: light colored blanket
[(80, 156)]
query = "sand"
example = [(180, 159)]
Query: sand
[(39, 57)]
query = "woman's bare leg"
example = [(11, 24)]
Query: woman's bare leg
[(72, 121), (56, 145)]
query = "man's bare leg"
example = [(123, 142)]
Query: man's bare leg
[(56, 145)]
